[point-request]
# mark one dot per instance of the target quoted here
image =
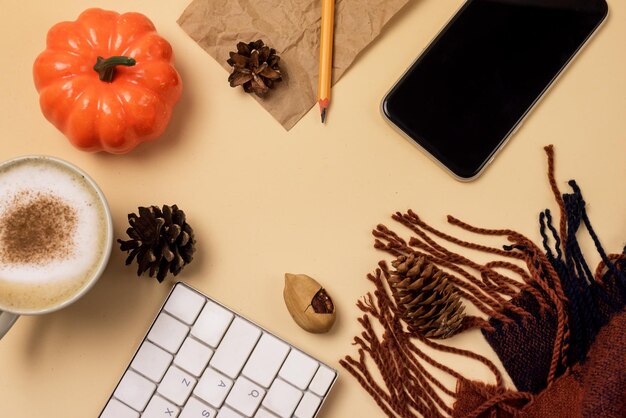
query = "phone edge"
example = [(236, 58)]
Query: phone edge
[(515, 127)]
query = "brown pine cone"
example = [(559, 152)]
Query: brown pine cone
[(255, 67), (160, 239), (428, 303)]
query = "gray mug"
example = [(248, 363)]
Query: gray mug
[(8, 316), (7, 319)]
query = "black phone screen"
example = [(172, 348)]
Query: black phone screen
[(466, 93)]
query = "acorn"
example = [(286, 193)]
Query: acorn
[(308, 303)]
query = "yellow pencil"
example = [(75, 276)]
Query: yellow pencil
[(326, 56)]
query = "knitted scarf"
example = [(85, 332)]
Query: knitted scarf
[(556, 325)]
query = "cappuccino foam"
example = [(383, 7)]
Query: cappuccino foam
[(53, 232)]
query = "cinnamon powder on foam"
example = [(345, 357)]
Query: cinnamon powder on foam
[(37, 229)]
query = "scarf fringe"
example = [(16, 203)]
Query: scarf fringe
[(556, 278)]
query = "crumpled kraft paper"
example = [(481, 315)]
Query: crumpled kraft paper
[(292, 27)]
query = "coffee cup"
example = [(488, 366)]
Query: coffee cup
[(56, 235)]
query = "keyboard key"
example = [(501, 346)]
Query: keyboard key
[(322, 381), (212, 324), (151, 361), (298, 369), (226, 412), (266, 359), (184, 304), (197, 409), (199, 359), (235, 348), (160, 408), (213, 387), (245, 396), (282, 398), (308, 406), (263, 413), (134, 390), (116, 409), (193, 356), (176, 385), (168, 333)]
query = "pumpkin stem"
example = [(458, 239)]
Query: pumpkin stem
[(106, 68)]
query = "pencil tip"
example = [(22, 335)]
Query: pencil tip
[(323, 115)]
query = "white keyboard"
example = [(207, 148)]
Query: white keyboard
[(200, 359)]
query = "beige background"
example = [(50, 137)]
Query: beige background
[(264, 202)]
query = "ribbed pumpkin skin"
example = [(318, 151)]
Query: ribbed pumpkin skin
[(97, 115)]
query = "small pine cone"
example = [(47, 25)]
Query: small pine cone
[(160, 239), (428, 303), (255, 67)]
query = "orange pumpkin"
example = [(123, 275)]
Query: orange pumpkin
[(107, 80)]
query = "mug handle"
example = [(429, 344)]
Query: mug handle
[(7, 320)]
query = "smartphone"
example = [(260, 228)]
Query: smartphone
[(468, 92)]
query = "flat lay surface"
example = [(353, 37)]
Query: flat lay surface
[(264, 202)]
